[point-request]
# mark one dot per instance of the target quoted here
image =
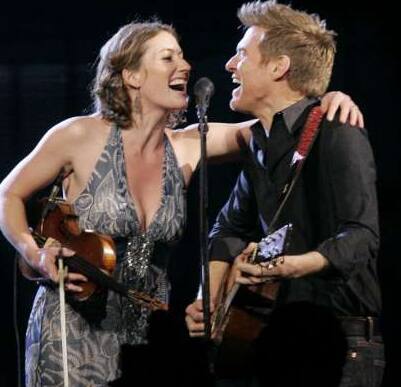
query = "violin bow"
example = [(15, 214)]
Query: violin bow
[(62, 271)]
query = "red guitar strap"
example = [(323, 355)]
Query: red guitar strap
[(306, 140)]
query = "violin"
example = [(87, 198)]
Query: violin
[(95, 254)]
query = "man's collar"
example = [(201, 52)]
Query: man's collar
[(294, 111), (290, 115)]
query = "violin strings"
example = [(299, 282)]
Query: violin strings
[(103, 279), (86, 268), (81, 265)]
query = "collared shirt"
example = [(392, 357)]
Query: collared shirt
[(333, 208), (285, 119)]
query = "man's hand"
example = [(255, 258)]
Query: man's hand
[(219, 272), (289, 266), (194, 318), (349, 111)]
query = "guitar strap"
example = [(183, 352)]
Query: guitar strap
[(306, 140), (304, 146)]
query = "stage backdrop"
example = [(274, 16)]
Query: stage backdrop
[(46, 66)]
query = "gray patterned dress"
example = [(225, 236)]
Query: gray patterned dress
[(96, 330)]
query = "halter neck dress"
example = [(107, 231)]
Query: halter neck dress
[(96, 329)]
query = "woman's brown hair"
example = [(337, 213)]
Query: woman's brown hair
[(124, 50)]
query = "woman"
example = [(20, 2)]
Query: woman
[(127, 177)]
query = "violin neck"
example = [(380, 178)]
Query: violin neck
[(39, 239), (96, 275), (79, 264)]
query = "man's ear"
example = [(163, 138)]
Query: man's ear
[(131, 78), (281, 67)]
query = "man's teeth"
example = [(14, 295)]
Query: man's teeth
[(235, 80)]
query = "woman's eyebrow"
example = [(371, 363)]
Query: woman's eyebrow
[(172, 50)]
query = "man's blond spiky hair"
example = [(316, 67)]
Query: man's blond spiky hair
[(301, 36)]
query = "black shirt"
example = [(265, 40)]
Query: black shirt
[(333, 208)]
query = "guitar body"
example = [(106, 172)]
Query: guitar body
[(234, 353), (242, 326), (243, 311)]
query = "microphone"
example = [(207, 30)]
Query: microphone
[(203, 90)]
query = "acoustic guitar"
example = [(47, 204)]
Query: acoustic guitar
[(241, 314)]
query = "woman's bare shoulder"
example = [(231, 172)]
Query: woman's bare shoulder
[(80, 128), (83, 125)]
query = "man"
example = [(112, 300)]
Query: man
[(323, 330)]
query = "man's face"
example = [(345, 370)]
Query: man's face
[(250, 72)]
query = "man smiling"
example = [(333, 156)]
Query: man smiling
[(323, 330)]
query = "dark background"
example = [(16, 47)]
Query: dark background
[(46, 56)]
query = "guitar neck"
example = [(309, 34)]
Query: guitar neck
[(222, 311), (230, 297), (234, 290)]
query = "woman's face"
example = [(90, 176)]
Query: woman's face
[(163, 74)]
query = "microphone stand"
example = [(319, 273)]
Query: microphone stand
[(203, 232)]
